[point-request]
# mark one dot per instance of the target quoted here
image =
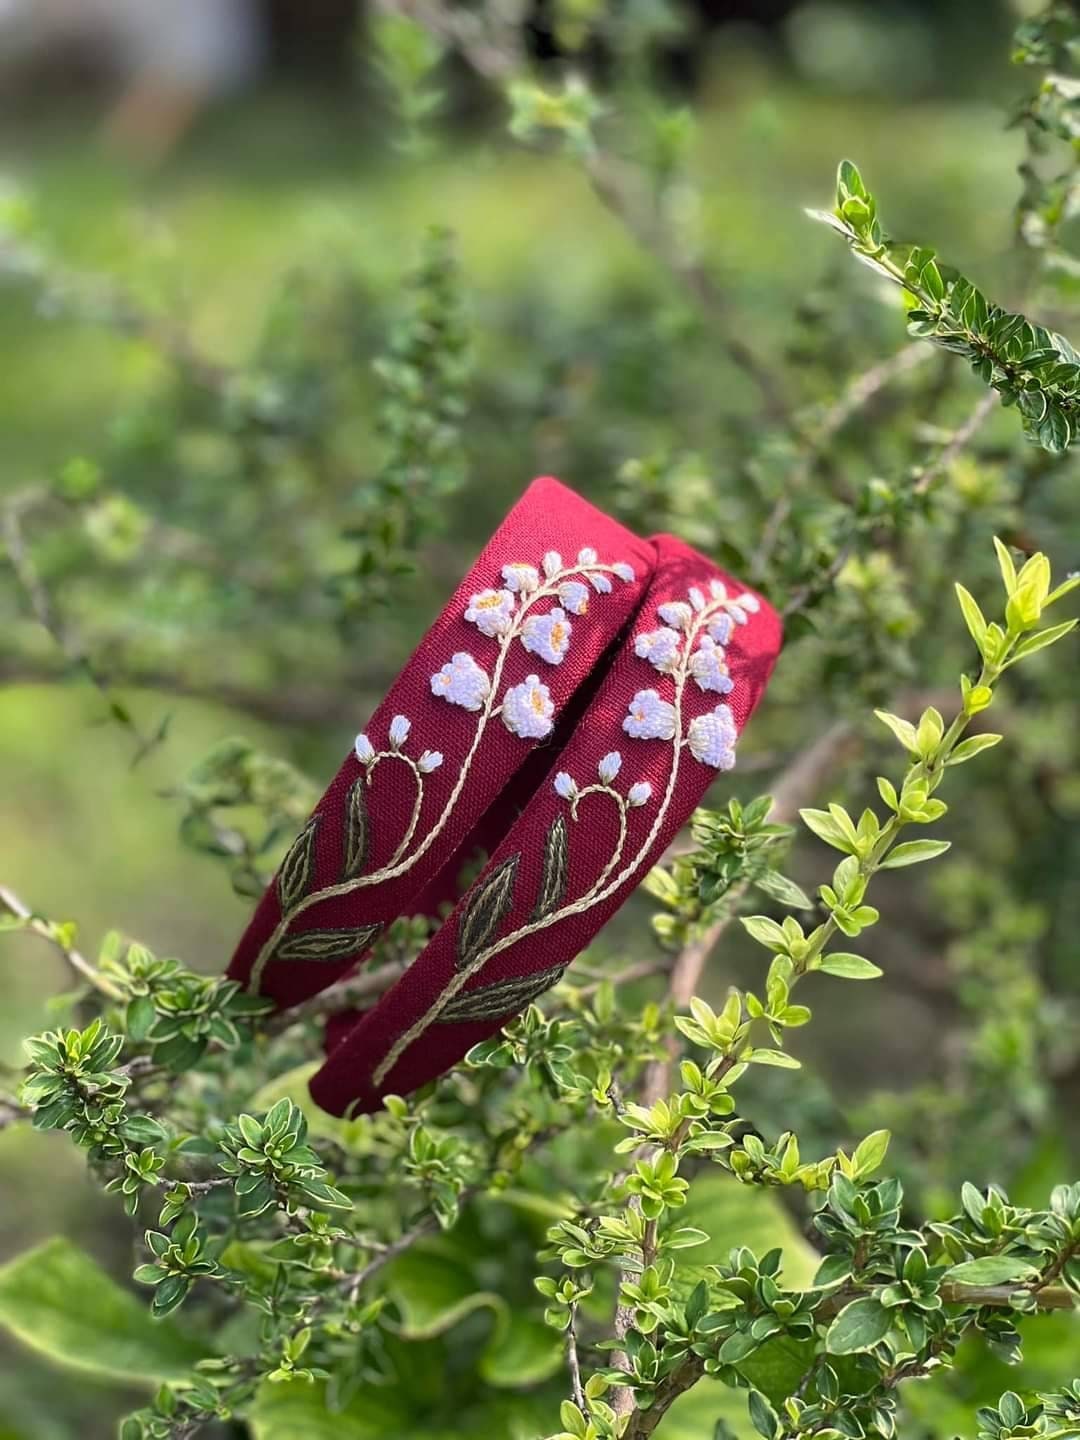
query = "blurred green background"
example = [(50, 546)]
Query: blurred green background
[(210, 186)]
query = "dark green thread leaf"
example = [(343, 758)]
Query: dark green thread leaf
[(325, 945), (296, 868), (556, 870), (357, 829), (484, 910), (502, 999)]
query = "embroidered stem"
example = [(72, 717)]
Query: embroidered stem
[(397, 865), (620, 801), (417, 803), (595, 896)]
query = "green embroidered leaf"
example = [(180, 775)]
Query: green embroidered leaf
[(556, 870), (296, 868), (502, 999), (357, 829), (325, 945), (491, 898)]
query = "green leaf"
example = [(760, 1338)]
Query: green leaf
[(59, 1301), (869, 1153), (968, 749), (435, 1289), (1041, 639), (825, 828), (762, 1416), (1008, 569), (764, 1056), (991, 1270), (902, 729), (522, 1350), (783, 889), (913, 852), (141, 1014), (973, 617), (765, 931), (859, 1327), (849, 967)]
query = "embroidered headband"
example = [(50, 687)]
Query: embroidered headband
[(599, 699)]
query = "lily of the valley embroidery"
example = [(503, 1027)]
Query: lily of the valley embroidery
[(688, 646), (508, 615)]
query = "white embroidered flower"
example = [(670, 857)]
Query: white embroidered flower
[(712, 738), (565, 785), (491, 611), (623, 570), (717, 589), (462, 682), (676, 613), (609, 766), (720, 629), (527, 709), (708, 667), (599, 582), (552, 563), (399, 731), (547, 635), (661, 648), (574, 596), (697, 599), (638, 794), (649, 717), (749, 602), (429, 760), (363, 749), (587, 556), (520, 578)]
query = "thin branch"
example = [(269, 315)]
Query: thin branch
[(948, 453), (355, 1282), (10, 902), (794, 788), (47, 615), (493, 50), (577, 1393)]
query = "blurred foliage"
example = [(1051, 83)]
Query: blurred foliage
[(251, 439)]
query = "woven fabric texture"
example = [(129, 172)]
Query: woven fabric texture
[(565, 713)]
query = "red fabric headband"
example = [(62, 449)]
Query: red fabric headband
[(566, 711)]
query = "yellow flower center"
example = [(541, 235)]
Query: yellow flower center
[(558, 635), (536, 700), (489, 602)]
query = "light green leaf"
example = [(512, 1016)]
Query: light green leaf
[(1008, 569), (968, 749), (859, 1327), (435, 1289), (913, 852), (990, 1270), (869, 1153), (1041, 639), (902, 729), (849, 967), (777, 1058), (522, 1350), (59, 1301), (825, 828), (973, 617)]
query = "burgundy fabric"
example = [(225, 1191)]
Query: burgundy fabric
[(665, 693)]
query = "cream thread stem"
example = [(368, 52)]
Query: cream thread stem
[(586, 902), (397, 866)]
